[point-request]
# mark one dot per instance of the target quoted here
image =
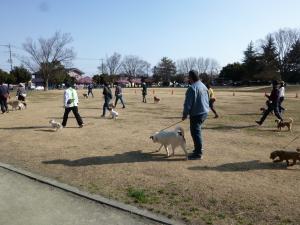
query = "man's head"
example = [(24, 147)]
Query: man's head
[(68, 84), (274, 83), (193, 76)]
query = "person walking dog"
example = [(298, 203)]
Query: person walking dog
[(212, 100), (281, 96), (144, 91), (71, 104), (4, 95), (196, 105), (107, 98), (273, 104), (119, 95)]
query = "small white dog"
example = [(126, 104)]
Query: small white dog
[(174, 138), (114, 114), (56, 125)]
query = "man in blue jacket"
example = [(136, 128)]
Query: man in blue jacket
[(196, 105)]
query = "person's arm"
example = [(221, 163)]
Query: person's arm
[(66, 98), (188, 102)]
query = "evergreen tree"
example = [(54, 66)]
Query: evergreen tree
[(251, 62), (269, 61), (21, 74), (165, 69), (293, 63)]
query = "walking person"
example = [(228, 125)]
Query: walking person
[(21, 92), (4, 95), (196, 105), (212, 100), (71, 104), (90, 90), (281, 96), (107, 98), (144, 91), (273, 104), (119, 95)]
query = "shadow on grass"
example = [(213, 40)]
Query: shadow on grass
[(229, 127), (245, 114), (127, 157), (23, 128), (243, 166)]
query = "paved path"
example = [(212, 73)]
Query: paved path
[(24, 201)]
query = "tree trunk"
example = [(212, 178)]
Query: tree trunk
[(46, 85)]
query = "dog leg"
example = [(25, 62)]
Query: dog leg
[(167, 150), (288, 163), (159, 148), (183, 146)]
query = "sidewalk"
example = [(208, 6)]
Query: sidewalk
[(28, 202)]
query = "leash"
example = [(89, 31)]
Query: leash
[(292, 141), (172, 125)]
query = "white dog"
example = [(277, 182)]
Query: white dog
[(174, 138), (56, 125), (114, 114)]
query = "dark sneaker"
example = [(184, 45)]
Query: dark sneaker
[(81, 126), (102, 116), (195, 157), (259, 123), (123, 107)]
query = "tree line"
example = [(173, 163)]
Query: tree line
[(277, 56)]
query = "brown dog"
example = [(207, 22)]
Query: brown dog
[(85, 95), (285, 155), (282, 124), (156, 99)]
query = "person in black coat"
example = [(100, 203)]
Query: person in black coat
[(107, 98)]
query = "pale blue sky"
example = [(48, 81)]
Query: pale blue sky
[(151, 29)]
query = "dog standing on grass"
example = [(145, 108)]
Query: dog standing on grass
[(285, 155), (156, 99), (282, 124), (174, 138)]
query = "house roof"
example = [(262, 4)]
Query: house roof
[(75, 70)]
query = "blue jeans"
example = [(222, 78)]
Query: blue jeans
[(121, 99), (195, 128)]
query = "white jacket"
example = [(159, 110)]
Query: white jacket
[(70, 94)]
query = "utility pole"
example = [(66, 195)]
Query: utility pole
[(102, 69), (10, 59)]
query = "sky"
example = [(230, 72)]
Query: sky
[(150, 29)]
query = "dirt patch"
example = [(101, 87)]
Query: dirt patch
[(236, 183)]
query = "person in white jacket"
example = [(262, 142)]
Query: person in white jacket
[(71, 104)]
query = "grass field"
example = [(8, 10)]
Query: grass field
[(235, 183)]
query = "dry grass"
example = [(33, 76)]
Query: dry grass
[(236, 183)]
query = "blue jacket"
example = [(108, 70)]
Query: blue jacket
[(196, 100)]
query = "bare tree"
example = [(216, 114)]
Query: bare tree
[(102, 68), (213, 68), (201, 65), (284, 39), (133, 66), (47, 53), (113, 63), (187, 64)]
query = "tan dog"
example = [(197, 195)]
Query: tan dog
[(85, 95), (17, 105), (282, 124), (156, 99), (285, 155)]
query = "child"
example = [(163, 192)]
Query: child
[(212, 100)]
